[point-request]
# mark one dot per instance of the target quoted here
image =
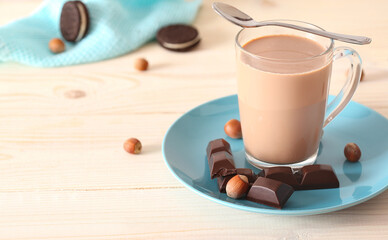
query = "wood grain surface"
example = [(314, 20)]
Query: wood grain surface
[(65, 175)]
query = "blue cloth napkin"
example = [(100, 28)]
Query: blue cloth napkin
[(116, 27)]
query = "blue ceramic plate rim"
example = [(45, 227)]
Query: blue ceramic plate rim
[(257, 209)]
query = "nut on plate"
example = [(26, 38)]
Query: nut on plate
[(237, 186), (233, 128), (361, 77), (133, 146), (352, 152), (56, 45), (141, 64)]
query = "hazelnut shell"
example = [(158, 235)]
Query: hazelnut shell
[(56, 45), (237, 186), (133, 146), (233, 129), (141, 64), (352, 152)]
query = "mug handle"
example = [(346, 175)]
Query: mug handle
[(345, 95)]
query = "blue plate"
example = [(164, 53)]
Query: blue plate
[(185, 144)]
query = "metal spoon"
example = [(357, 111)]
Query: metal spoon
[(243, 20)]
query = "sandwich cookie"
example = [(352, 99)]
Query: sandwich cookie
[(179, 37), (74, 22)]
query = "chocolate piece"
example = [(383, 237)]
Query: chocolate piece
[(221, 164), (282, 174), (248, 173), (222, 181), (74, 21), (308, 178), (217, 145), (270, 192), (298, 176), (318, 177), (178, 37)]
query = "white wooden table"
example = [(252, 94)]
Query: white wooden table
[(64, 174)]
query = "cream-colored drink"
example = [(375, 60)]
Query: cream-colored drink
[(282, 106)]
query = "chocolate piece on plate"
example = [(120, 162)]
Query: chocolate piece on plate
[(178, 37), (270, 192), (221, 164), (74, 21), (248, 173), (217, 145), (318, 177), (282, 174), (222, 181)]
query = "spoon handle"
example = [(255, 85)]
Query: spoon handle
[(361, 40), (240, 18)]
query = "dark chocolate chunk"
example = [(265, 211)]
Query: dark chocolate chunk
[(178, 37), (283, 174), (308, 178), (318, 177), (221, 164), (248, 173), (217, 145), (74, 21), (298, 176), (222, 181), (270, 192)]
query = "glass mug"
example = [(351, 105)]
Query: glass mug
[(283, 102)]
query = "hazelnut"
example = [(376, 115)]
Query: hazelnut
[(141, 64), (237, 186), (132, 145), (56, 45), (352, 152), (233, 128), (362, 75)]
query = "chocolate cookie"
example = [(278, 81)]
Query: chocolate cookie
[(74, 22), (178, 37)]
